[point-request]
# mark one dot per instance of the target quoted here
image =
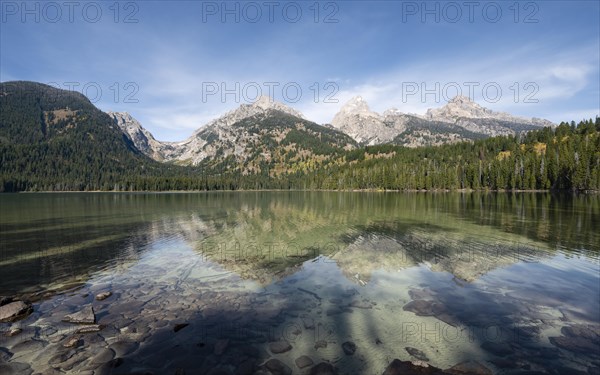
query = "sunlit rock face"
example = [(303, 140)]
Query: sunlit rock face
[(461, 119)]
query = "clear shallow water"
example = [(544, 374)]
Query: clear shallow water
[(509, 280)]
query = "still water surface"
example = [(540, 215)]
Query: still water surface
[(205, 282)]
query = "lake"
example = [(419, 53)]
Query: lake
[(278, 282)]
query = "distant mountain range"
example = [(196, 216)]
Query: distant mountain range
[(239, 133), (251, 135), (52, 139)]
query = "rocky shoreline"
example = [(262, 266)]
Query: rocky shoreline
[(100, 330)]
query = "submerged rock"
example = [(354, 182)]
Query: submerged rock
[(424, 308), (30, 345), (5, 355), (308, 323), (103, 356), (579, 338), (15, 368), (123, 348), (277, 367), (71, 342), (323, 368), (303, 362), (500, 349), (102, 296), (320, 344), (16, 310), (280, 347), (84, 316), (90, 329), (13, 332), (349, 347), (576, 344), (179, 327), (398, 367), (469, 368), (417, 354), (420, 294)]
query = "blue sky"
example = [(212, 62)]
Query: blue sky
[(169, 66)]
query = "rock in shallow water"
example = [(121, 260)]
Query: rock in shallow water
[(417, 354), (71, 342), (349, 347), (501, 349), (277, 367), (89, 329), (102, 296), (103, 356), (280, 347), (179, 327), (14, 311), (15, 368), (469, 368), (13, 332), (303, 362), (84, 316), (123, 348), (323, 368), (398, 367)]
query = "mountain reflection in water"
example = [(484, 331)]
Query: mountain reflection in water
[(271, 281)]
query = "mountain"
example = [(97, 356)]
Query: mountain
[(459, 120), (246, 139), (216, 137), (57, 140), (368, 127), (52, 139), (223, 138), (140, 137)]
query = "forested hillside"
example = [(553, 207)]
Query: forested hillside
[(566, 158), (55, 140)]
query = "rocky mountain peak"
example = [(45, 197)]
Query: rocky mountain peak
[(459, 107), (461, 99), (356, 105), (124, 119), (140, 137), (265, 103)]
